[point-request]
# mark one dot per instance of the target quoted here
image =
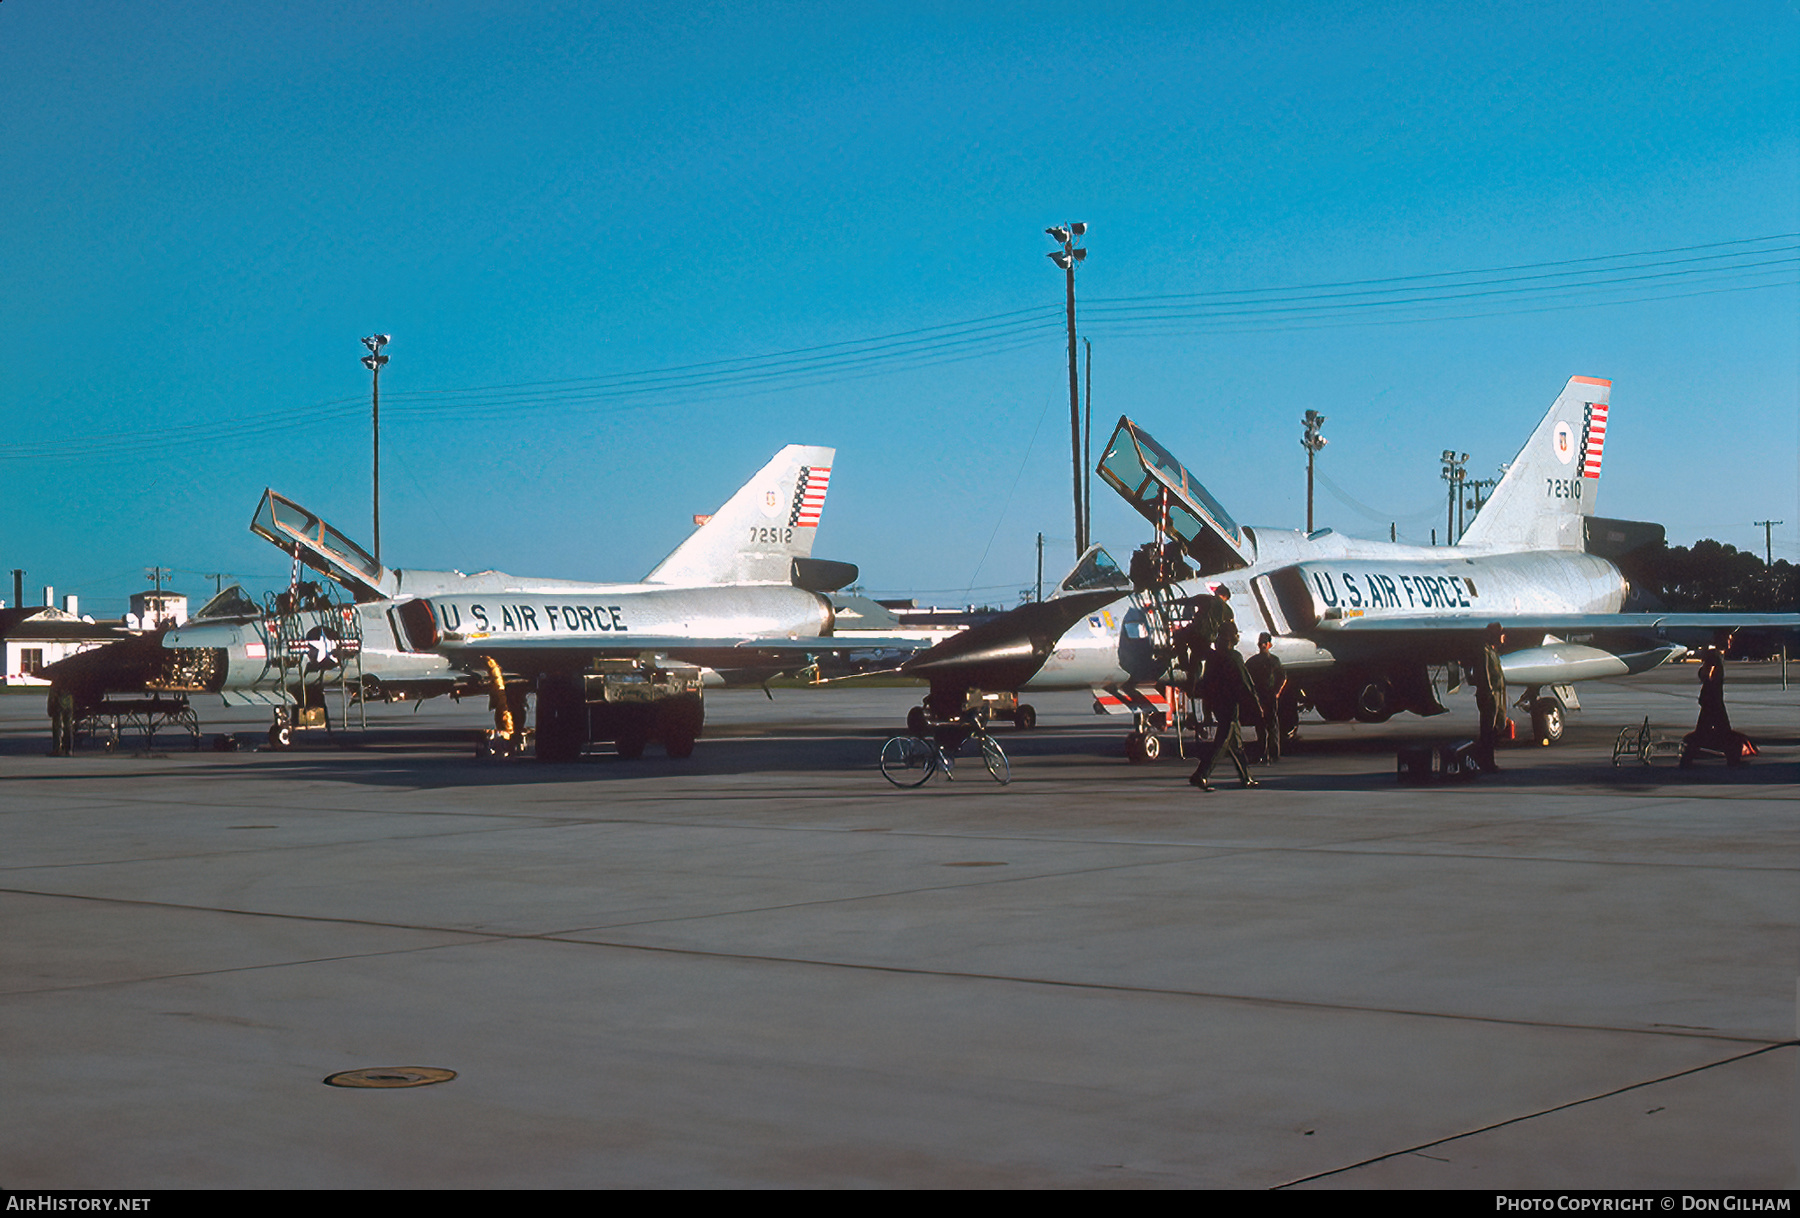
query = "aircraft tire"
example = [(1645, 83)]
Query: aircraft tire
[(1334, 703), (1374, 703), (1141, 747), (634, 733), (281, 736), (916, 723), (678, 724), (1025, 718), (1547, 721), (562, 717)]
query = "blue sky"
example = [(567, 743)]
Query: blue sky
[(207, 205)]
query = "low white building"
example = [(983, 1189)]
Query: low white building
[(35, 638)]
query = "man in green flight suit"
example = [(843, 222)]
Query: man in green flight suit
[(1269, 680), (1490, 697), (1228, 689), (1194, 641)]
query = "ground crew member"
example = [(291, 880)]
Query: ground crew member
[(1490, 697), (56, 731), (1228, 689), (62, 722), (1194, 641), (1267, 678), (1713, 729)]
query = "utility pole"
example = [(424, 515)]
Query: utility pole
[(1453, 473), (1066, 258), (1312, 442), (1478, 488), (1767, 526), (373, 362)]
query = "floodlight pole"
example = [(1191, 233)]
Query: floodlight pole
[(1312, 442), (1066, 258), (373, 362), (1087, 449)]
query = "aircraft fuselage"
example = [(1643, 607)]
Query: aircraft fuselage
[(1303, 587)]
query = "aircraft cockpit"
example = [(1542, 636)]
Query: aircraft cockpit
[(232, 604), (1095, 571)]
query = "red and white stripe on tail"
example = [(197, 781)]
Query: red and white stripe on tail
[(1593, 439), (809, 495)]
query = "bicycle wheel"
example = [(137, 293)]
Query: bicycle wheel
[(995, 756), (907, 761)]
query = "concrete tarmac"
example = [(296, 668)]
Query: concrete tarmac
[(766, 967)]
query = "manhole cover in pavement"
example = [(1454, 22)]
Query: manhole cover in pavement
[(391, 1076)]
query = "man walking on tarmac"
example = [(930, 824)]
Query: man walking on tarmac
[(1194, 641), (1228, 689), (1268, 680)]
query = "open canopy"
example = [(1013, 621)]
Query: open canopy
[(295, 530), (1168, 496)]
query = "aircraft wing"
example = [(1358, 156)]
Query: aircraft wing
[(528, 653), (1559, 647), (1687, 628)]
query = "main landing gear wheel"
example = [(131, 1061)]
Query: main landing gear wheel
[(562, 717), (680, 720), (1025, 718), (1547, 721), (281, 736), (916, 722), (1141, 747)]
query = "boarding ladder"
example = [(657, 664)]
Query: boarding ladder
[(315, 646)]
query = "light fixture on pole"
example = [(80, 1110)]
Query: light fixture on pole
[(373, 362), (1312, 442), (1066, 258)]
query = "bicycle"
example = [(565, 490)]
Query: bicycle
[(910, 761)]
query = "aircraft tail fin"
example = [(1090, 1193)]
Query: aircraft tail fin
[(1551, 487), (761, 531)]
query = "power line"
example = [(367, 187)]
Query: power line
[(1493, 270), (1747, 264)]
